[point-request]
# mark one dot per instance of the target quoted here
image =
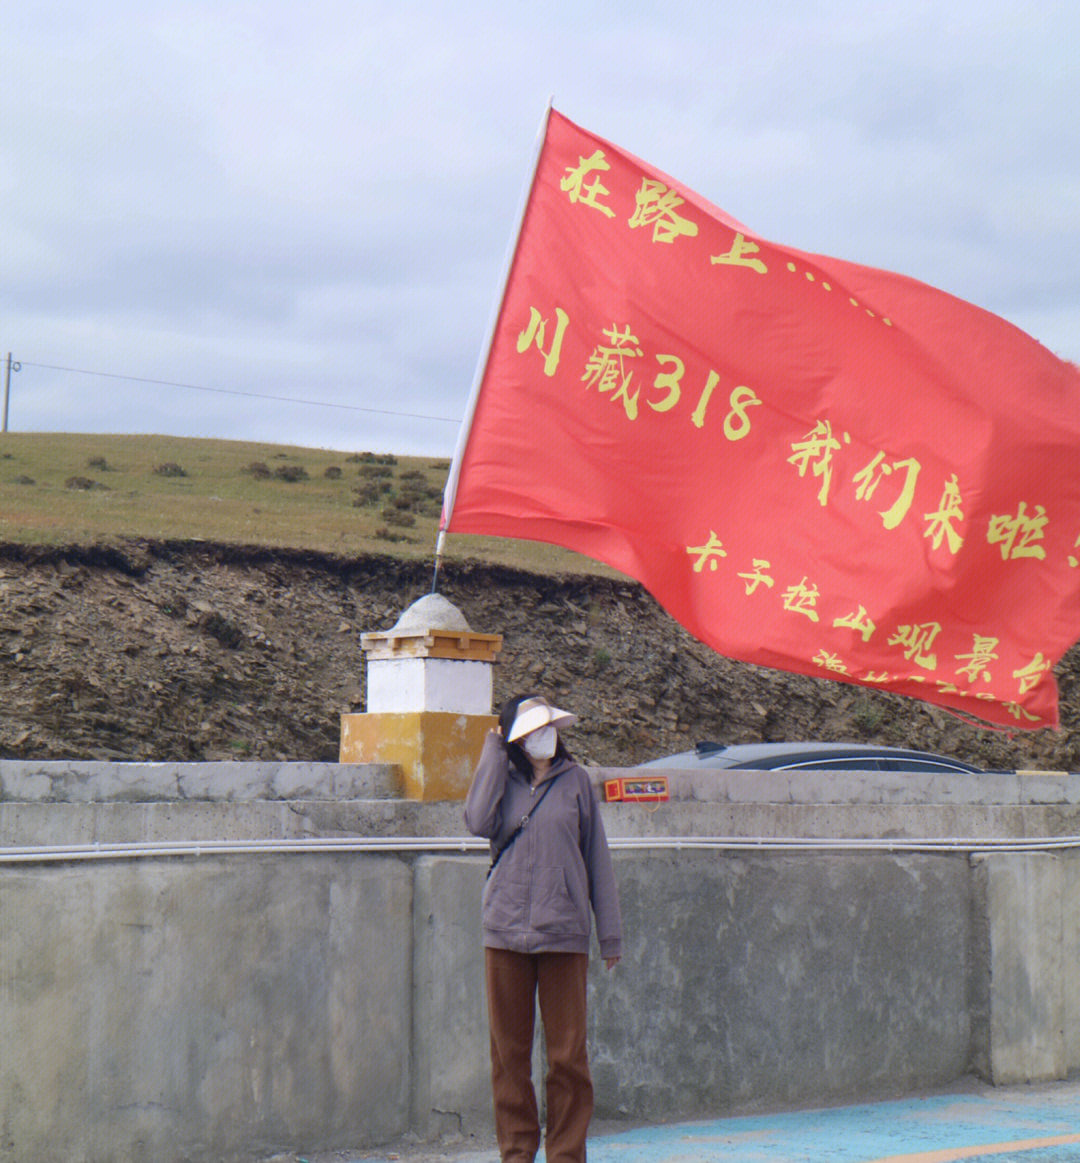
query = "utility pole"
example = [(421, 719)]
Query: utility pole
[(9, 368)]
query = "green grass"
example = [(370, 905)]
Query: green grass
[(220, 500)]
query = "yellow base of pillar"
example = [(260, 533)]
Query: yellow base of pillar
[(436, 751)]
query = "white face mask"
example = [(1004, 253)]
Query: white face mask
[(541, 743)]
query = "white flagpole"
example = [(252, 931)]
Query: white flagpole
[(450, 490)]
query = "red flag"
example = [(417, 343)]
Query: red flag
[(812, 465)]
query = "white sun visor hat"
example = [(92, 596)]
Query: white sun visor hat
[(535, 713)]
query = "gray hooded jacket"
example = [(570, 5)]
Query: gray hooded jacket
[(538, 898)]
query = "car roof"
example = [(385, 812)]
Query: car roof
[(804, 754)]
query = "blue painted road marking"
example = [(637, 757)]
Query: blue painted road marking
[(932, 1130), (1035, 1124)]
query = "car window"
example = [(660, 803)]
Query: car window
[(867, 763), (921, 765)]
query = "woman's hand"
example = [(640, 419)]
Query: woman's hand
[(611, 962)]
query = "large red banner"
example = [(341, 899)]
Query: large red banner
[(812, 465)]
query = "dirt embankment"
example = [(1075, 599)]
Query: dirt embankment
[(199, 652)]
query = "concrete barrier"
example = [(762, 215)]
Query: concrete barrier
[(783, 979), (181, 1009), (1032, 962), (217, 1006)]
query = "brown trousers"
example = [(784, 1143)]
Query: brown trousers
[(513, 982)]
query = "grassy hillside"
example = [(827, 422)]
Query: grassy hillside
[(68, 489)]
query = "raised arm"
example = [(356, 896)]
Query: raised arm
[(483, 804)]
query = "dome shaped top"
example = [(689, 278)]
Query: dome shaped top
[(431, 612)]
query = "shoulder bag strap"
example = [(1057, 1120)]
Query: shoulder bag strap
[(521, 824)]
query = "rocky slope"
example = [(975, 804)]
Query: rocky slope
[(193, 651)]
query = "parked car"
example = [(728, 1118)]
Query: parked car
[(812, 756)]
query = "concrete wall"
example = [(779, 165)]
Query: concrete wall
[(191, 1009), (1031, 959), (775, 980), (784, 979), (215, 1007)]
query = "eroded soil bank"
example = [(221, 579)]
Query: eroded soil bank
[(191, 651)]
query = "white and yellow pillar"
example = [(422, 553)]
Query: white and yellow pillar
[(429, 695)]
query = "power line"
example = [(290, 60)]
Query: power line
[(236, 392)]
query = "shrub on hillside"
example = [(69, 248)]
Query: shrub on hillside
[(332, 473), (169, 469), (367, 494), (291, 472), (424, 499), (371, 458), (370, 471), (394, 516), (84, 483), (100, 463), (257, 469), (420, 492)]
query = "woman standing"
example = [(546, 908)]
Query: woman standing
[(550, 863)]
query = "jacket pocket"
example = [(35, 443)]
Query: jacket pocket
[(505, 902), (555, 909)]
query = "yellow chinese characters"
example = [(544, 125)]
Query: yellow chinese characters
[(830, 662), (819, 451), (709, 552), (941, 521), (801, 599), (871, 476), (535, 332), (606, 368), (816, 449), (656, 206), (859, 621), (978, 661), (916, 641), (736, 256), (573, 183), (1018, 712), (1031, 675), (1017, 535), (758, 577)]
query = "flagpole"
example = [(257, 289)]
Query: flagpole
[(450, 489)]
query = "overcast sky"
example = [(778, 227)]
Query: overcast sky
[(314, 200)]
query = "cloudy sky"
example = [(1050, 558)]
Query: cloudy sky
[(314, 201)]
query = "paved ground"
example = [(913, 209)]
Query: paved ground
[(1032, 1124)]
